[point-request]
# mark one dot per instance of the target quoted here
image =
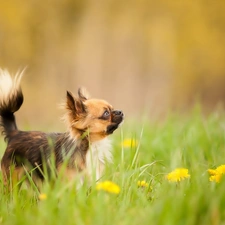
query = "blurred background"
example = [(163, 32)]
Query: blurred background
[(145, 57)]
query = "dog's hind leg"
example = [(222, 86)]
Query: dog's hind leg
[(12, 175)]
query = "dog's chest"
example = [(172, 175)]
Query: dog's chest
[(98, 154)]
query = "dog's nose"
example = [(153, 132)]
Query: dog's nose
[(118, 113)]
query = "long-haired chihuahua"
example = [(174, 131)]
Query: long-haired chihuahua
[(84, 146)]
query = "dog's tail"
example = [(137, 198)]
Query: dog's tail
[(11, 99)]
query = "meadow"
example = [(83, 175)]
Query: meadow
[(138, 188)]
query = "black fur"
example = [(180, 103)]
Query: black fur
[(7, 109), (36, 148)]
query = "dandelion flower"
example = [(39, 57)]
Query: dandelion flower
[(216, 174), (142, 183), (130, 143), (42, 196), (108, 186), (216, 178), (212, 172), (221, 169), (178, 175)]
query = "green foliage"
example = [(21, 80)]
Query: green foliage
[(194, 142)]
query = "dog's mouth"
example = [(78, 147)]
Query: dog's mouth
[(117, 118), (111, 128)]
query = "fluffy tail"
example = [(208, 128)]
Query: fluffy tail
[(11, 99)]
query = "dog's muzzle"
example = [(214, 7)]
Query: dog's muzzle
[(117, 117)]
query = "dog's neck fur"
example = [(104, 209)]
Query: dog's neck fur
[(98, 154)]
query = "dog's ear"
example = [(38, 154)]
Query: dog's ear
[(74, 104), (83, 94)]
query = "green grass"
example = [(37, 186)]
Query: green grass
[(193, 141)]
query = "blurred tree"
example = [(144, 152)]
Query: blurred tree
[(160, 54)]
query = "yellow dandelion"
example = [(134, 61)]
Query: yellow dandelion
[(130, 143), (216, 178), (178, 175), (221, 169), (142, 183), (42, 196), (212, 172), (216, 174), (108, 186)]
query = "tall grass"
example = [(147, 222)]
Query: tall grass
[(194, 142)]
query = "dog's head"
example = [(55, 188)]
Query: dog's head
[(95, 118)]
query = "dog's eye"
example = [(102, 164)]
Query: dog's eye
[(106, 114)]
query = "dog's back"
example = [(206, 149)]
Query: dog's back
[(33, 151)]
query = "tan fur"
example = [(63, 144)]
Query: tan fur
[(96, 128)]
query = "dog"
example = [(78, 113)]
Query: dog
[(84, 147)]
